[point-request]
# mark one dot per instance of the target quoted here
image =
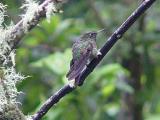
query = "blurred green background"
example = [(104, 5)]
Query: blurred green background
[(126, 84)]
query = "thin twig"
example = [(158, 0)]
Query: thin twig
[(104, 50)]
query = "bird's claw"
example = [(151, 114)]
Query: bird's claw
[(72, 83), (99, 53)]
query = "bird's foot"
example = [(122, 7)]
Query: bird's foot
[(99, 53), (72, 83)]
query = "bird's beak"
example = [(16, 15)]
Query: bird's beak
[(101, 30)]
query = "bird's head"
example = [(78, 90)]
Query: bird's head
[(89, 35)]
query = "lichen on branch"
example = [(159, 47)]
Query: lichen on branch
[(12, 34)]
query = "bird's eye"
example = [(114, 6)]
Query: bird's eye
[(90, 34)]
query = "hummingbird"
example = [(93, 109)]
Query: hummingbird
[(84, 49)]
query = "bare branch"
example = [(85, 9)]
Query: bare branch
[(104, 50), (52, 101), (115, 37)]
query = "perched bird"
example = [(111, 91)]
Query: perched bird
[(84, 49)]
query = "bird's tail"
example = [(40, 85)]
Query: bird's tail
[(76, 69)]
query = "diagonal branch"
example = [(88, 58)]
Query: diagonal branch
[(52, 101), (104, 50), (115, 37)]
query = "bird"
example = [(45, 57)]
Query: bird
[(84, 49)]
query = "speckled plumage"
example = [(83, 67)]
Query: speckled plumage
[(83, 50)]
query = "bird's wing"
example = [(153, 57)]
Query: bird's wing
[(78, 64)]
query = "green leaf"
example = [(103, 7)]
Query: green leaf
[(153, 117), (108, 71), (57, 62), (108, 90), (123, 86)]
